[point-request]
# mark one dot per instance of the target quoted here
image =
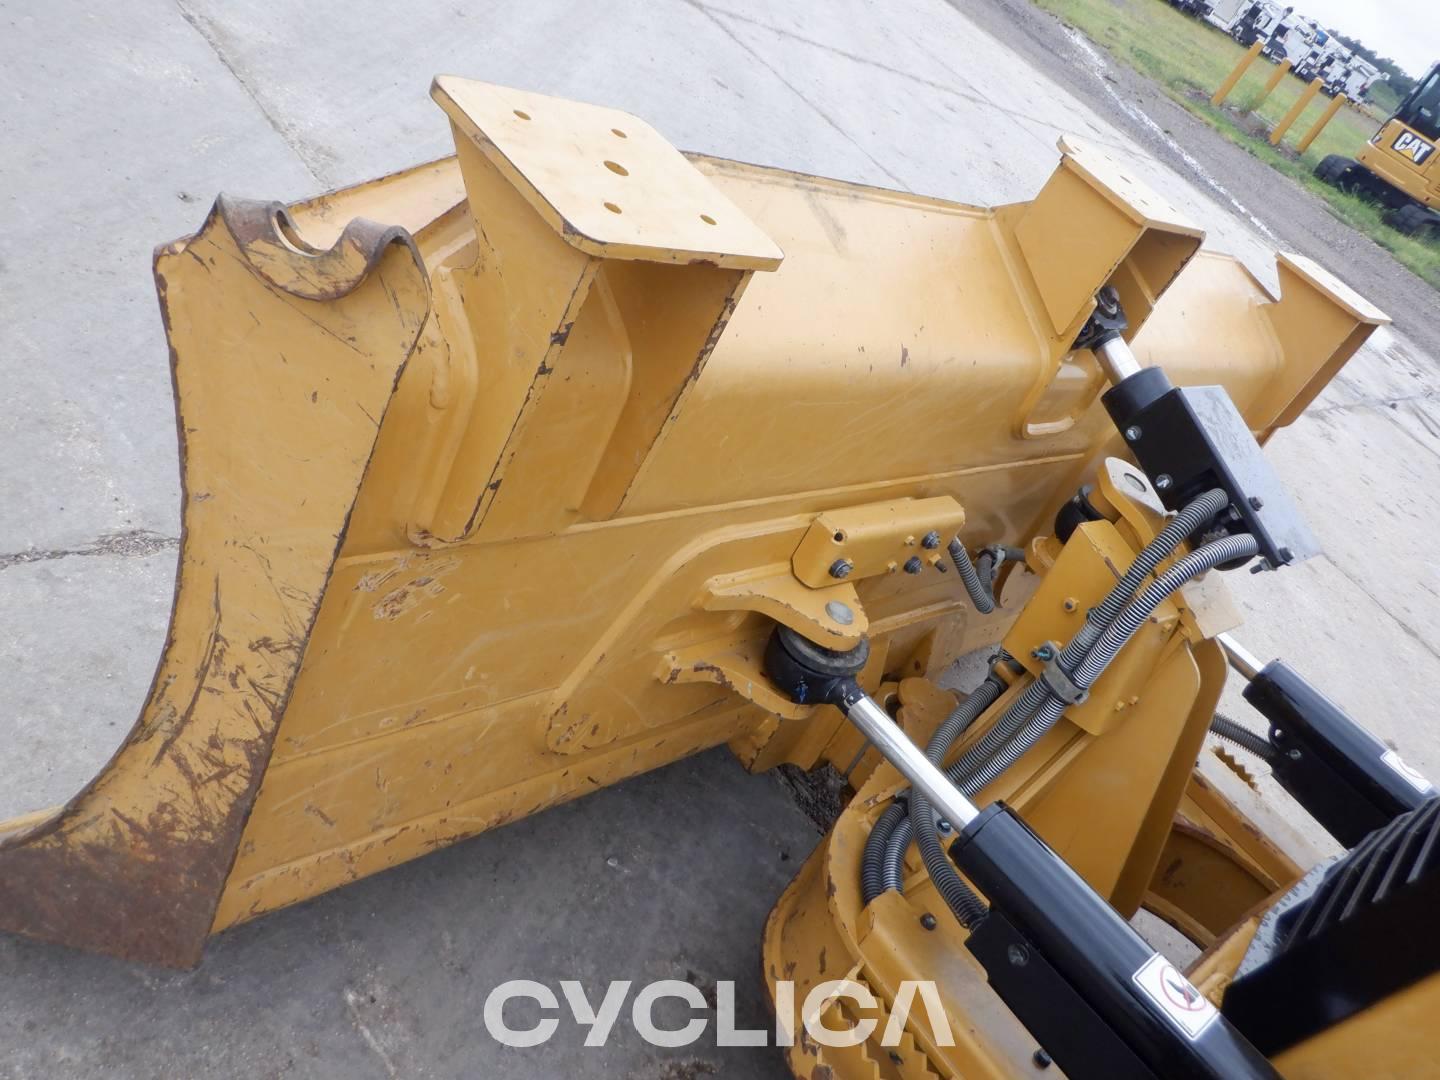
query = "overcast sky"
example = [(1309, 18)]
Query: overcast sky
[(1406, 30)]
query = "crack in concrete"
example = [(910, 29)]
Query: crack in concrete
[(1372, 403), (131, 544), (352, 1002), (1404, 430), (713, 17), (309, 157), (974, 97), (1385, 410), (1368, 591)]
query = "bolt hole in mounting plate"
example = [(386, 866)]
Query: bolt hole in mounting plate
[(608, 182)]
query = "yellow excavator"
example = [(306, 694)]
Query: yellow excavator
[(518, 473), (1399, 167)]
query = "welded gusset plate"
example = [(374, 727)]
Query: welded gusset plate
[(284, 360), (608, 182)]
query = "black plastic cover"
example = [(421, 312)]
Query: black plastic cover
[(1192, 438), (1347, 779), (1364, 931)]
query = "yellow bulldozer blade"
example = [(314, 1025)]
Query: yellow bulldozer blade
[(498, 471)]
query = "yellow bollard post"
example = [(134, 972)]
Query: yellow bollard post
[(1281, 70), (1319, 125), (1306, 96), (1235, 76)]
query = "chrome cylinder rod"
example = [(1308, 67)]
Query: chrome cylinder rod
[(1116, 360), (895, 746), (1241, 659)]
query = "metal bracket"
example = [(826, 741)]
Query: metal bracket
[(877, 539), (1055, 677)]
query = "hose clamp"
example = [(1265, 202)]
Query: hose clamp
[(1058, 680), (999, 556)]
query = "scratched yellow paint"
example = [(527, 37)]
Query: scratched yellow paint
[(458, 483)]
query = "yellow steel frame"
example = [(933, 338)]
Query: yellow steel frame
[(1112, 789), (494, 503)]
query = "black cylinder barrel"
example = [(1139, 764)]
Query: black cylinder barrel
[(1100, 1000), (1130, 397), (1347, 779)]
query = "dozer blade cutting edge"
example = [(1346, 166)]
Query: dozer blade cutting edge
[(498, 470)]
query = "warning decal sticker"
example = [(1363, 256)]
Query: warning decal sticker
[(1187, 1008), (1411, 776)]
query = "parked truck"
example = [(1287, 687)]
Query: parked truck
[(1322, 52), (1288, 37), (1265, 21), (1198, 8), (1361, 77), (1224, 14)]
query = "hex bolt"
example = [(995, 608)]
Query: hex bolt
[(913, 565), (930, 540), (1286, 554), (1163, 482), (1042, 1059), (928, 921), (1043, 652), (1019, 955), (841, 613), (943, 827), (1132, 434), (1256, 503), (841, 568)]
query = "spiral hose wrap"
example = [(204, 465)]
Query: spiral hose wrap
[(872, 863), (893, 872), (968, 907), (1243, 737), (1115, 638), (1197, 513), (1107, 629), (981, 590)]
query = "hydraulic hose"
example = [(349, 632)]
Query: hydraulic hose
[(990, 750), (1121, 629), (1182, 526), (1242, 737), (981, 589), (968, 908), (1115, 637), (1198, 512), (967, 712), (1128, 621), (872, 864), (893, 873), (882, 866)]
